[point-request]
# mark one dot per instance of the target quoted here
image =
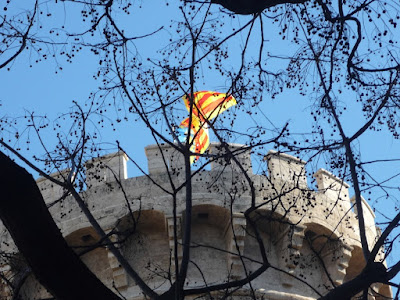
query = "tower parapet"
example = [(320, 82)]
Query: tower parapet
[(304, 232), (221, 157), (333, 187), (107, 168), (284, 168), (163, 156)]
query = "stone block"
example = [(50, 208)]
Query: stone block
[(333, 187), (286, 168), (162, 157), (107, 168), (50, 190), (222, 160)]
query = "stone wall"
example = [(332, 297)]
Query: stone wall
[(305, 232)]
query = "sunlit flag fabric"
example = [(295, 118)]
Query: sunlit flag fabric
[(206, 106)]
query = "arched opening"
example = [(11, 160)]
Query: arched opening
[(356, 264), (321, 258), (84, 242), (272, 229), (208, 257), (144, 243)]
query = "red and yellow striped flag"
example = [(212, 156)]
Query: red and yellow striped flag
[(206, 106)]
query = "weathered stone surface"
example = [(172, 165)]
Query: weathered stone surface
[(303, 232)]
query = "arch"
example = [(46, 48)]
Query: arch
[(209, 214), (84, 242), (384, 292), (145, 245), (270, 222), (141, 219), (321, 236), (208, 253), (322, 227), (68, 228), (82, 238), (356, 263), (322, 257), (272, 228)]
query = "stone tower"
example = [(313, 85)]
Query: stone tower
[(310, 237)]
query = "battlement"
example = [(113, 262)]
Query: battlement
[(107, 168), (286, 168), (290, 215), (163, 156), (282, 169)]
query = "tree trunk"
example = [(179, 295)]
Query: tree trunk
[(55, 265)]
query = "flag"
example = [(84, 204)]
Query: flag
[(206, 106)]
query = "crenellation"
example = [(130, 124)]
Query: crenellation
[(333, 187), (221, 161), (286, 168), (304, 232), (163, 157), (105, 169)]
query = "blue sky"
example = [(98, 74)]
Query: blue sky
[(46, 90)]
